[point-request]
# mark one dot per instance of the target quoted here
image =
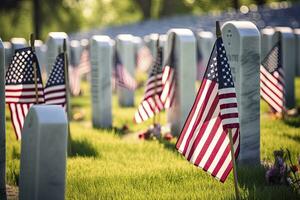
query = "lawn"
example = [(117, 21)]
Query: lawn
[(108, 164)]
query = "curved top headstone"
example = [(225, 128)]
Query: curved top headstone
[(125, 37), (243, 28), (58, 35), (55, 115), (206, 34), (106, 40), (242, 44), (268, 31), (18, 43), (184, 50)]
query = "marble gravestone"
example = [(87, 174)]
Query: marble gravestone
[(41, 50), (266, 41), (2, 116), (185, 66), (297, 36), (138, 43), (242, 44), (125, 48), (288, 62), (43, 153), (206, 40), (163, 44), (18, 43), (75, 49), (101, 61), (8, 53), (54, 45), (150, 41)]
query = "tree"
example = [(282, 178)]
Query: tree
[(145, 6), (174, 7)]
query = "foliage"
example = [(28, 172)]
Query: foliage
[(75, 15), (106, 164)]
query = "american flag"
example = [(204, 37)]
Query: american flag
[(121, 77), (203, 140), (200, 65), (169, 79), (151, 103), (144, 59), (20, 89), (55, 90), (272, 79), (76, 72)]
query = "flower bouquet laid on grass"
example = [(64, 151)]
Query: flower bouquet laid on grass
[(284, 171)]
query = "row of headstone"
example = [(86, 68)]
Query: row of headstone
[(246, 47)]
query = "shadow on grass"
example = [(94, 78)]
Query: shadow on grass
[(296, 138), (168, 145), (252, 180), (292, 121), (83, 148)]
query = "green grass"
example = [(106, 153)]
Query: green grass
[(110, 165)]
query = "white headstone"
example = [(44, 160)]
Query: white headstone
[(18, 43), (288, 62), (43, 154), (41, 50), (150, 41), (206, 40), (125, 48), (163, 44), (8, 53), (138, 42), (54, 45), (297, 35), (242, 44), (101, 60), (185, 66), (75, 49), (266, 41), (2, 119)]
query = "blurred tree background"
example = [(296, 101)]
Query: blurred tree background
[(18, 18)]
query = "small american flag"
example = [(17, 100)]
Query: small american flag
[(200, 65), (272, 79), (121, 77), (55, 90), (169, 79), (151, 103), (76, 72), (20, 89), (203, 140), (144, 59)]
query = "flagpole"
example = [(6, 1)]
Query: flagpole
[(67, 93), (32, 40), (237, 193), (155, 76)]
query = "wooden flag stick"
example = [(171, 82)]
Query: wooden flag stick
[(155, 75), (237, 194), (67, 93), (32, 40)]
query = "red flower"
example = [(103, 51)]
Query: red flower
[(168, 136)]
